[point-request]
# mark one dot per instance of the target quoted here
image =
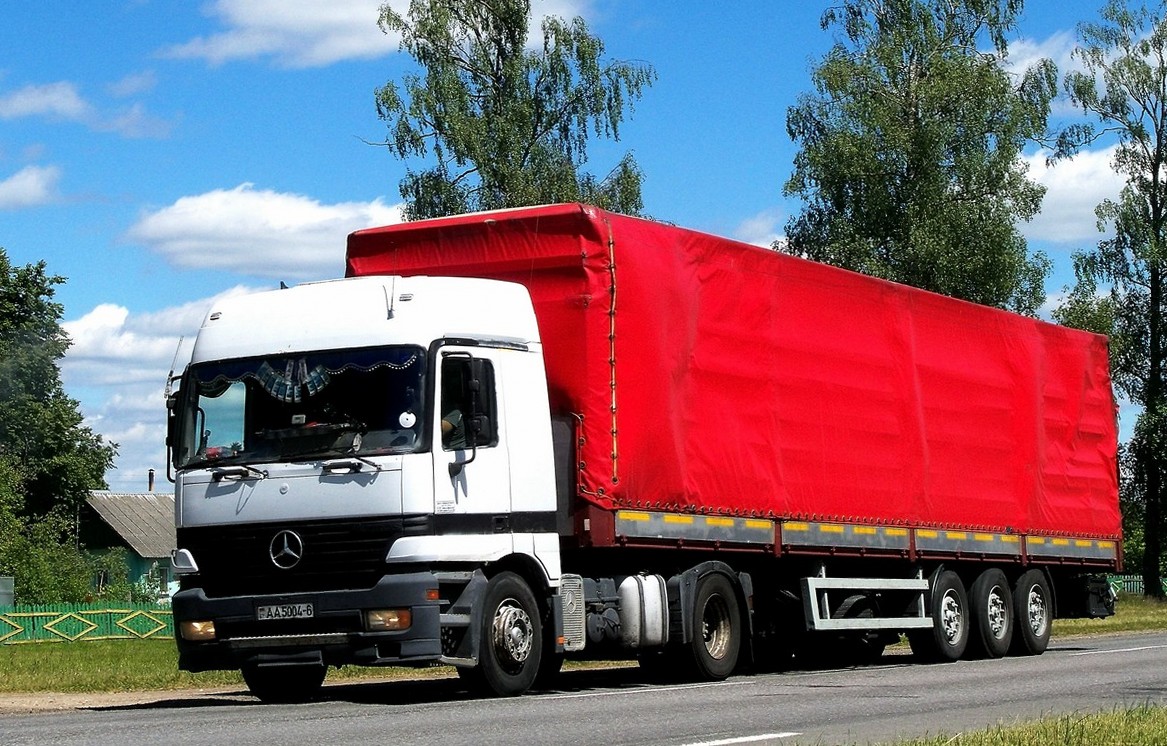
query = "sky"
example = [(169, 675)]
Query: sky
[(159, 154)]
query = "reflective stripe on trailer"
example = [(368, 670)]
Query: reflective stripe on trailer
[(1056, 546), (827, 535), (653, 525), (814, 534)]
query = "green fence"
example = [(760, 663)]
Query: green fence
[(80, 622), (1131, 584)]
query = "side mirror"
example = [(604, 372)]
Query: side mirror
[(171, 432)]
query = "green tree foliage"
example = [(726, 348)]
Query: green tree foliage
[(506, 125), (910, 163), (49, 460), (1122, 89)]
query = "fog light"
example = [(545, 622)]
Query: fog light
[(197, 631), (387, 620)]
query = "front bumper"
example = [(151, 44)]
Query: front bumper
[(335, 635)]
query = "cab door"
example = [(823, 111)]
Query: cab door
[(471, 462)]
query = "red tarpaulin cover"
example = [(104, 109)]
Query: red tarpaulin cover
[(753, 383)]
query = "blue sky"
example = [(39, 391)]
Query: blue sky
[(158, 154)]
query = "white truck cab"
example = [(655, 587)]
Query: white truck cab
[(345, 456)]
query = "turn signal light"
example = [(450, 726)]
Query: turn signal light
[(197, 631), (388, 620)]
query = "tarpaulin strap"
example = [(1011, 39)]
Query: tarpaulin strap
[(612, 342)]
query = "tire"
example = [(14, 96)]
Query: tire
[(510, 643), (992, 613), (1033, 614), (284, 684), (948, 608), (717, 633), (864, 648)]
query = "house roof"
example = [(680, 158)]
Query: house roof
[(144, 519)]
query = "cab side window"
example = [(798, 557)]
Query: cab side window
[(468, 403)]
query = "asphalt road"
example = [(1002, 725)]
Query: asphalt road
[(839, 706)]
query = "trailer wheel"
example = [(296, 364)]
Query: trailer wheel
[(864, 648), (284, 684), (948, 607), (992, 617), (717, 636), (1033, 614), (510, 646)]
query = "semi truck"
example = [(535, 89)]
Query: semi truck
[(509, 438)]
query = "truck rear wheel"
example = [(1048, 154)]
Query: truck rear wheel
[(1033, 614), (284, 684), (717, 636), (948, 607), (510, 644), (992, 613)]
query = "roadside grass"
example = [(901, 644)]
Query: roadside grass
[(133, 666), (1133, 613), (145, 665), (1138, 726)]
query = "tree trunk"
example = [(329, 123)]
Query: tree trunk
[(1152, 456)]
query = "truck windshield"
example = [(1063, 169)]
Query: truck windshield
[(302, 406)]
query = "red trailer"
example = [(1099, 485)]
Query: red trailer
[(711, 377)]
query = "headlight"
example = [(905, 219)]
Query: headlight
[(388, 620), (197, 631)]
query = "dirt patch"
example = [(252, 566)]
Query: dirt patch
[(32, 702)]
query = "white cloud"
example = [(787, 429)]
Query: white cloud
[(53, 100), (1058, 47), (762, 229), (258, 232), (1024, 53), (132, 85), (117, 368), (1074, 188), (306, 33), (135, 122), (32, 185), (297, 33), (62, 102)]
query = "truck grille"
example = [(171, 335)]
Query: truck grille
[(343, 554)]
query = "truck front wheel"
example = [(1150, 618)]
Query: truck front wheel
[(284, 684), (717, 636), (510, 644)]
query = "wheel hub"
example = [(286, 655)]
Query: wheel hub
[(513, 633), (715, 627), (1037, 613), (950, 617), (997, 614)]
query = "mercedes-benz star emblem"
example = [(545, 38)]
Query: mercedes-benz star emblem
[(286, 549)]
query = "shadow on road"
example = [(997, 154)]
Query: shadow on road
[(419, 691)]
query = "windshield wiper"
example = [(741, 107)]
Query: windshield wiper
[(312, 430), (241, 472), (351, 465)]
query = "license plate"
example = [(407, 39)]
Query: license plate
[(284, 611)]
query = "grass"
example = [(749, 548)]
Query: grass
[(129, 666), (1138, 726), (1133, 614), (145, 665)]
